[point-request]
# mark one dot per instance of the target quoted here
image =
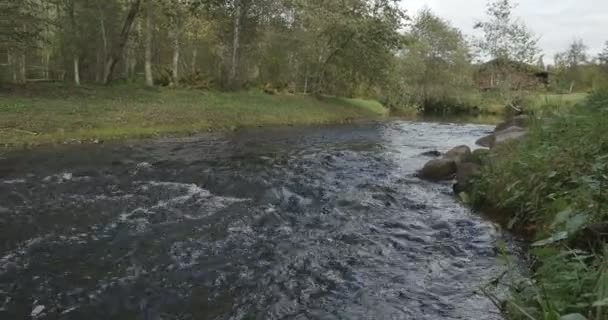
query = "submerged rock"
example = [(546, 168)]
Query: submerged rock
[(438, 170), (433, 153)]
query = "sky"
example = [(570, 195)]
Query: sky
[(556, 22)]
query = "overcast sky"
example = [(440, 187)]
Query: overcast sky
[(557, 22)]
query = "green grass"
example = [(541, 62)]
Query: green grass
[(542, 104), (49, 113), (551, 187)]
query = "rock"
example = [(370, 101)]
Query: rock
[(458, 154), (521, 121), (433, 153), (464, 175), (486, 141), (438, 170), (508, 135)]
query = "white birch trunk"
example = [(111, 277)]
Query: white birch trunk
[(76, 70), (236, 41), (148, 47)]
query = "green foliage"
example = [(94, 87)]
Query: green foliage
[(548, 104), (506, 37), (435, 67), (552, 185)]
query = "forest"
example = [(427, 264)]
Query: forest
[(354, 48)]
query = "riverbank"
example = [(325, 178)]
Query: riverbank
[(53, 113), (551, 186)]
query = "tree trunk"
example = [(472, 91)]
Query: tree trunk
[(47, 66), (148, 46), (76, 70), (23, 68), (319, 77), (130, 62), (236, 42), (194, 57), (571, 87), (306, 80), (74, 40), (11, 65), (104, 39), (116, 52), (133, 64), (176, 53), (99, 66)]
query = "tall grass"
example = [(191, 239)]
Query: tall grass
[(547, 104), (552, 187)]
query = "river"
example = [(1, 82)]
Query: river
[(284, 223)]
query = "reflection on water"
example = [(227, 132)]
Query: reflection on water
[(297, 223)]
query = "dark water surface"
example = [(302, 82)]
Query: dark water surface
[(294, 223)]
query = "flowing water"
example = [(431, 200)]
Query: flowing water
[(286, 223)]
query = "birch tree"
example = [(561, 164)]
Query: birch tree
[(118, 48)]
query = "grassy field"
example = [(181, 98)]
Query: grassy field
[(49, 113), (552, 187)]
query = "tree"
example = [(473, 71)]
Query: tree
[(117, 50), (437, 61), (540, 63), (22, 25), (576, 54), (506, 37), (70, 8), (349, 37), (571, 65), (149, 78), (603, 56), (510, 45)]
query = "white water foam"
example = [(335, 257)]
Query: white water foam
[(207, 202)]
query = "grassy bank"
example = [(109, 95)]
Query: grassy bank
[(50, 113), (542, 104), (552, 186)]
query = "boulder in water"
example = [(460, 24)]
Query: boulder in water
[(438, 170), (464, 176), (486, 141), (521, 121), (458, 154), (510, 134)]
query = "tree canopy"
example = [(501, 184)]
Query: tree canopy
[(368, 48)]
